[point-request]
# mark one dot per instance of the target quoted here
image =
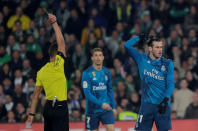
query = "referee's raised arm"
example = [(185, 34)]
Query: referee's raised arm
[(58, 33)]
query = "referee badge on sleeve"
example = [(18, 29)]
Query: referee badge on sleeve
[(84, 84)]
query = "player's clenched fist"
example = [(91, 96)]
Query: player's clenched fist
[(106, 106), (52, 18)]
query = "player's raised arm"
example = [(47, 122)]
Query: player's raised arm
[(133, 52), (87, 90), (58, 33)]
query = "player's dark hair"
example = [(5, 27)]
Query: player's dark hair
[(152, 39), (53, 49), (95, 50)]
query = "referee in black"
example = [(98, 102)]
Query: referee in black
[(51, 77)]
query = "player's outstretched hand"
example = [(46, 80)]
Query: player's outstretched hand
[(163, 105), (52, 18), (106, 106)]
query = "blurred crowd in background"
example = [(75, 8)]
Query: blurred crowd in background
[(25, 36)]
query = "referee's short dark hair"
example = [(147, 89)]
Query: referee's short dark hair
[(53, 49), (95, 50), (151, 39)]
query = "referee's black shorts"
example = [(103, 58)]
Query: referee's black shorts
[(56, 118)]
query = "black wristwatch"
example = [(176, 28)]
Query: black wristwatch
[(32, 114)]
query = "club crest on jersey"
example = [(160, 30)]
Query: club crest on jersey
[(148, 61), (163, 68), (94, 75)]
